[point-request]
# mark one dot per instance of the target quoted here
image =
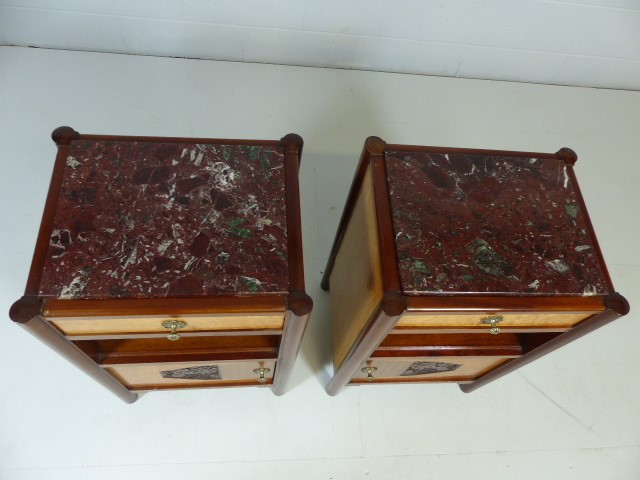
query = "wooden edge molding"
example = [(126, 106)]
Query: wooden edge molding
[(592, 233), (372, 146), (469, 151), (567, 155), (160, 306), (374, 332), (25, 309), (496, 303), (292, 148), (148, 139), (617, 306), (299, 302), (388, 255), (295, 326), (64, 135)]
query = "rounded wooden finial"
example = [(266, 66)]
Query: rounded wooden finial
[(393, 303), (25, 309), (567, 155), (64, 135), (299, 302), (375, 145)]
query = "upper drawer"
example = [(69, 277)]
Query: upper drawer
[(78, 327), (484, 321)]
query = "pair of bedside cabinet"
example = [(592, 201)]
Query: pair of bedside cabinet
[(170, 263)]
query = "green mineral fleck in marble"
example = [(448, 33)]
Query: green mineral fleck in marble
[(222, 258), (404, 256), (420, 266), (226, 152), (240, 232), (253, 284), (280, 254), (253, 153), (234, 222), (264, 161), (488, 260), (572, 209), (468, 278)]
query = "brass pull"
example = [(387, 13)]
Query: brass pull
[(492, 320), (369, 371), (261, 371), (174, 325)]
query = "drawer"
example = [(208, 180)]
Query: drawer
[(78, 327), (426, 369), (483, 321), (171, 375)]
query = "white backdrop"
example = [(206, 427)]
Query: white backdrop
[(574, 414)]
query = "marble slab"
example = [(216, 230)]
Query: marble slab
[(149, 220), (488, 224)]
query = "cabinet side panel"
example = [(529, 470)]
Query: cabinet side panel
[(356, 282)]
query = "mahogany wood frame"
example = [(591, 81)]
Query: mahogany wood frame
[(31, 310), (394, 304)]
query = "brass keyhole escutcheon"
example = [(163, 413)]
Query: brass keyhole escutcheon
[(174, 325), (261, 372), (369, 370), (492, 320)]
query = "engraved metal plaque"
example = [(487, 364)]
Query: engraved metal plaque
[(424, 368), (205, 372)]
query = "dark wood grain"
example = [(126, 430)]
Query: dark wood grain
[(127, 307), (500, 303), (294, 328), (443, 345), (388, 255)]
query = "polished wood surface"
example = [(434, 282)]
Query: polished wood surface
[(130, 307), (130, 351), (356, 281), (84, 326), (536, 320), (465, 344), (392, 368), (148, 376)]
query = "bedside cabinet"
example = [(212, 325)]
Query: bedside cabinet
[(459, 265), (166, 263)]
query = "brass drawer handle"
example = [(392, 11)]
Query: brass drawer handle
[(261, 371), (369, 370), (492, 320), (174, 325)]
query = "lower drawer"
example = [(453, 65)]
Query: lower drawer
[(426, 369), (194, 374)]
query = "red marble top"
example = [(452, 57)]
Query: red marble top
[(148, 220), (487, 224)]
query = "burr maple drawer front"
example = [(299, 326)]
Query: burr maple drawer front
[(498, 321), (425, 369), (96, 326), (194, 374)]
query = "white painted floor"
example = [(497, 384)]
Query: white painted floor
[(574, 414)]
